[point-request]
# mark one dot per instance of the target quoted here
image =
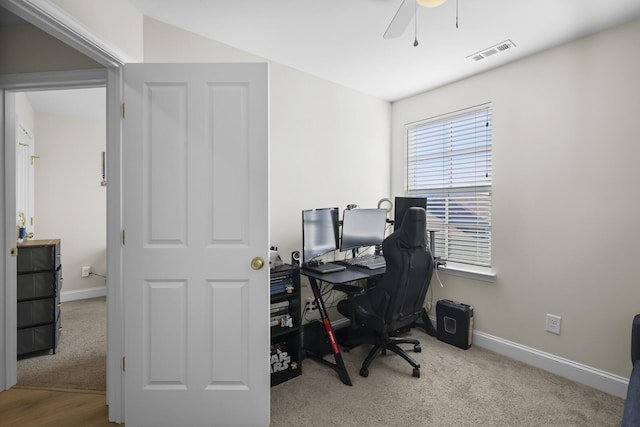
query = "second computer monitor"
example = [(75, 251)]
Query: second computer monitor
[(402, 204), (363, 227)]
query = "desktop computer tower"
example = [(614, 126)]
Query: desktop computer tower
[(314, 338), (454, 323)]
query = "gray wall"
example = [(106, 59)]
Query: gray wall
[(26, 49)]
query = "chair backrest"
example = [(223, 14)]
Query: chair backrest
[(399, 296)]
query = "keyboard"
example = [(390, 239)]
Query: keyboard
[(371, 262)]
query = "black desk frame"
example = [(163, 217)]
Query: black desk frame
[(351, 274)]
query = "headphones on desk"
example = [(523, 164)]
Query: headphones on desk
[(382, 201)]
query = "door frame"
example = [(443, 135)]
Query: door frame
[(51, 19)]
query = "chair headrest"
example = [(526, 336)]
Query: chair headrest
[(413, 230)]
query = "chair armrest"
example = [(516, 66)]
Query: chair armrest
[(635, 339), (347, 309)]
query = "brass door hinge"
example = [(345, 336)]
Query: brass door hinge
[(122, 110), (14, 251)]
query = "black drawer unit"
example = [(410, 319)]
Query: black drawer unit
[(39, 338), (39, 255), (39, 311), (39, 284)]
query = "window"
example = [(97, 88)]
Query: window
[(449, 162)]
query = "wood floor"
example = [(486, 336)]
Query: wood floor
[(33, 407)]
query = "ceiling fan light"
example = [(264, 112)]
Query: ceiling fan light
[(430, 3)]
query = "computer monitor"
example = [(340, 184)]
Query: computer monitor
[(319, 232), (362, 227), (402, 204)]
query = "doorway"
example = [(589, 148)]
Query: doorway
[(67, 133), (106, 70)]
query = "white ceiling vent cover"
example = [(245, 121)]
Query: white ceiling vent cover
[(500, 47)]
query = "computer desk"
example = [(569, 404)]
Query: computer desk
[(351, 274)]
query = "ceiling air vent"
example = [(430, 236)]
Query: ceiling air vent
[(500, 47)]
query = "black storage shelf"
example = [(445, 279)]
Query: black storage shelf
[(277, 331), (294, 368), (285, 340), (283, 297)]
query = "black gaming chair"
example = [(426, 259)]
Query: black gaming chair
[(397, 299)]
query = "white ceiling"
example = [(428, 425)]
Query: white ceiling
[(341, 40), (88, 103)]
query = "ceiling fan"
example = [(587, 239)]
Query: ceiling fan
[(405, 13)]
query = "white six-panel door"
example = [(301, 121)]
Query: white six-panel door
[(195, 202)]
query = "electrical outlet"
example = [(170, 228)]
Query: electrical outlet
[(311, 304), (553, 323), (86, 271)]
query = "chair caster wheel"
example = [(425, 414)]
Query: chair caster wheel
[(364, 372), (417, 348), (383, 352), (416, 372)]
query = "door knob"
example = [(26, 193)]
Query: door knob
[(257, 263)]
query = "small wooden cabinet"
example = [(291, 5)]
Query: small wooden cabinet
[(286, 345), (38, 290)]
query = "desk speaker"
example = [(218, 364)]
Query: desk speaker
[(295, 259), (454, 323)]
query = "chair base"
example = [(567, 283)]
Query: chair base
[(392, 344)]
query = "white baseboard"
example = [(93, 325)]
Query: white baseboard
[(83, 294), (583, 374)]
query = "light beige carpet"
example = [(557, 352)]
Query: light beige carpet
[(80, 359), (457, 387)]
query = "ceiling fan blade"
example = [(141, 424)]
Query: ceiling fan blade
[(401, 19)]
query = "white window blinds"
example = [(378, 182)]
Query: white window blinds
[(449, 162)]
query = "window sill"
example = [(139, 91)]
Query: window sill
[(484, 274)]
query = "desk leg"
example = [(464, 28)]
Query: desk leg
[(338, 366), (426, 324)]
